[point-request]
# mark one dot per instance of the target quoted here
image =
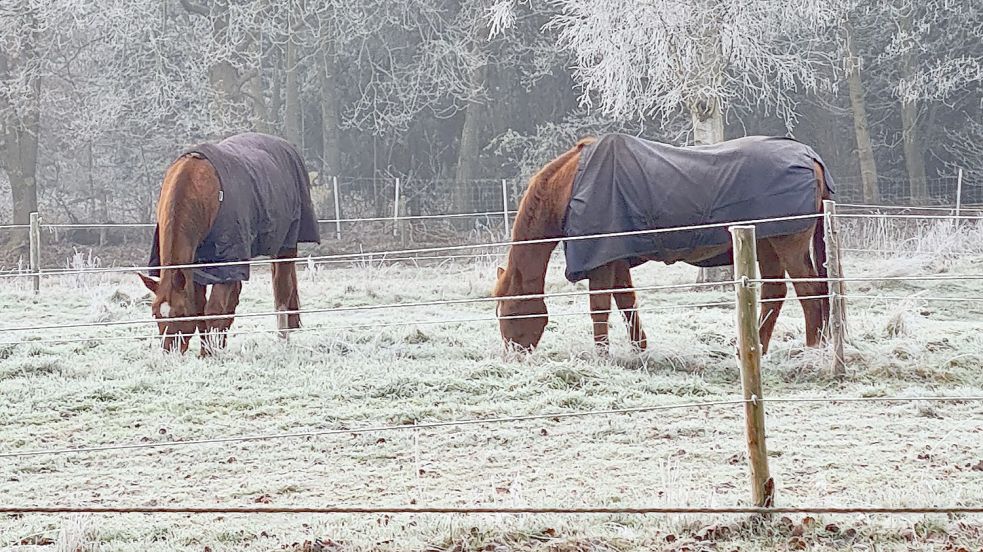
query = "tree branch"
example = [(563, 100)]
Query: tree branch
[(193, 8)]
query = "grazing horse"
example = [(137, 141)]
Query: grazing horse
[(227, 202), (620, 183)]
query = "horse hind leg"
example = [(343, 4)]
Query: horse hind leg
[(600, 280), (285, 293), (772, 293), (794, 253), (627, 304)]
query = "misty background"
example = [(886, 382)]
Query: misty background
[(454, 97)]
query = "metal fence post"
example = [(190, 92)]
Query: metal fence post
[(337, 209), (959, 193), (505, 205), (35, 253), (396, 210), (749, 346)]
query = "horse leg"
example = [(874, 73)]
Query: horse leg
[(627, 304), (285, 293), (794, 253), (601, 278), (772, 293), (223, 299)]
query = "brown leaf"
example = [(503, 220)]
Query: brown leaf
[(670, 538), (543, 432), (550, 532), (37, 541), (162, 431), (808, 521), (850, 533), (263, 499), (380, 440), (797, 543), (712, 532), (978, 466), (797, 531), (207, 549), (832, 528)]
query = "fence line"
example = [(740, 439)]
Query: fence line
[(234, 333), (951, 208), (924, 278), (472, 422), (379, 324), (434, 249), (667, 510), (437, 303), (85, 225), (371, 429), (322, 258), (385, 324)]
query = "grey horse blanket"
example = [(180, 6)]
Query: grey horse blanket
[(624, 183), (265, 205)]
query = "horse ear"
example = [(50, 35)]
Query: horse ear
[(501, 270), (149, 282)]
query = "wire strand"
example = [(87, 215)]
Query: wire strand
[(642, 510), (373, 325), (369, 429), (428, 249), (444, 302)]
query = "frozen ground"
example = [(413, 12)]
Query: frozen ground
[(835, 454)]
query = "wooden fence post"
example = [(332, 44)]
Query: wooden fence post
[(337, 209), (35, 253), (749, 345), (837, 296)]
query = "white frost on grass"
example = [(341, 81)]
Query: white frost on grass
[(79, 394)]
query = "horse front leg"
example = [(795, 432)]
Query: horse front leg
[(223, 299), (601, 279), (285, 293), (628, 305)]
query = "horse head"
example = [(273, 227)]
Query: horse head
[(521, 321), (176, 296)]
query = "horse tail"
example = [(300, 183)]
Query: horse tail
[(819, 242)]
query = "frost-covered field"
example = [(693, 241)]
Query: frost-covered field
[(402, 367)]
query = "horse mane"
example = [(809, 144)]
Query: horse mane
[(186, 210), (541, 202), (542, 208)]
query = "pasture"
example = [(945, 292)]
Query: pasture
[(402, 366)]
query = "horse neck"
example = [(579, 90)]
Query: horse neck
[(186, 211), (540, 217)]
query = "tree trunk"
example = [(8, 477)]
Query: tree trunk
[(865, 149), (330, 118), (19, 150), (708, 128), (468, 150), (291, 111), (913, 152)]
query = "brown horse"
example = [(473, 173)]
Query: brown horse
[(542, 214), (197, 207)]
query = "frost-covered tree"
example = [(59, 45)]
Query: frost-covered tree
[(655, 57)]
